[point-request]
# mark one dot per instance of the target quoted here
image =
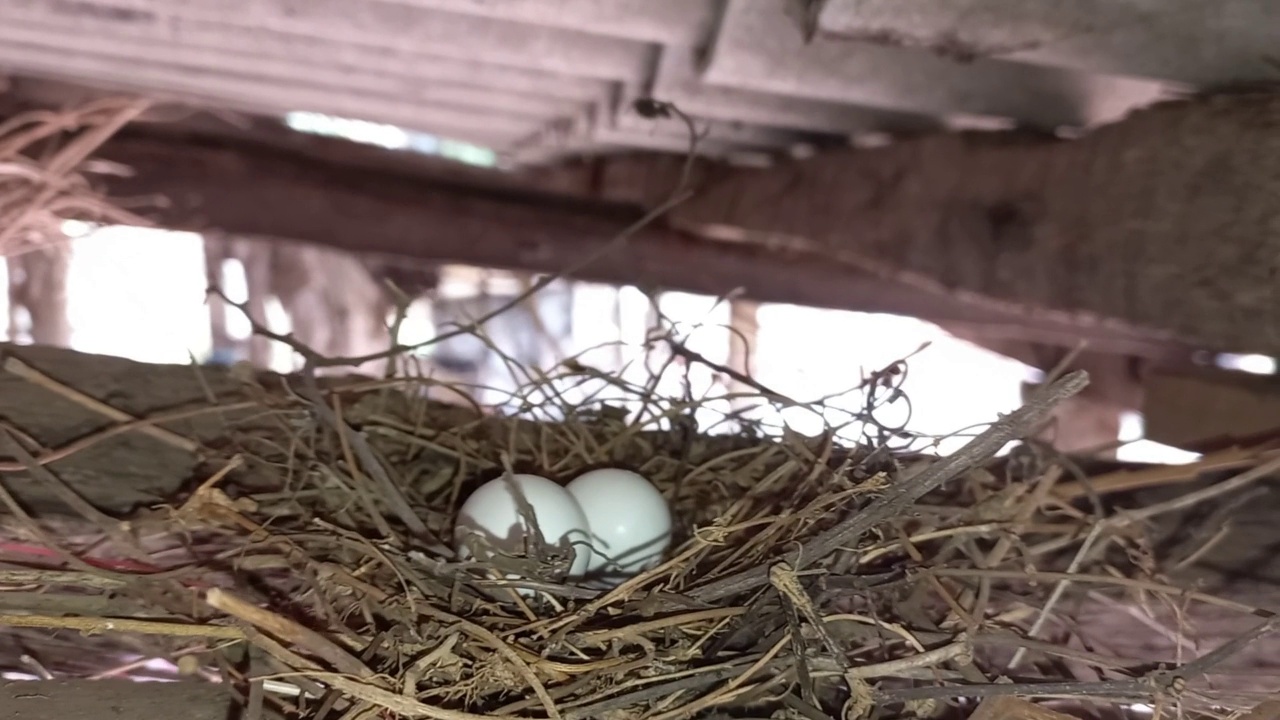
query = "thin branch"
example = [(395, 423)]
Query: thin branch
[(960, 649)]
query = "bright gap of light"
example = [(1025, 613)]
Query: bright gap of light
[(139, 293), (77, 228), (390, 137), (235, 284), (1139, 450), (417, 327), (1256, 364)]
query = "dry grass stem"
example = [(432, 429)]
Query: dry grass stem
[(92, 625), (42, 159)]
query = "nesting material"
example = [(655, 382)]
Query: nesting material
[(43, 158), (310, 570)]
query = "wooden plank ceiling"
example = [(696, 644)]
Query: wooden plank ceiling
[(1151, 236), (536, 80)]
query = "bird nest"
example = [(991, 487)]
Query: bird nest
[(307, 569)]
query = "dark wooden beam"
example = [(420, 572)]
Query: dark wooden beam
[(247, 188), (1188, 408), (1166, 221)]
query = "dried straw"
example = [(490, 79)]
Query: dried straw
[(43, 157)]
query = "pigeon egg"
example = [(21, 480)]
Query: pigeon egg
[(493, 514), (629, 519)]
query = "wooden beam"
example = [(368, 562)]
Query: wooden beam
[(1164, 222), (66, 699), (1013, 708), (105, 473), (246, 188), (1189, 408)]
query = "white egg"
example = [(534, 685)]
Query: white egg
[(492, 512), (630, 523)]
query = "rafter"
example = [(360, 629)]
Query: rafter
[(498, 220)]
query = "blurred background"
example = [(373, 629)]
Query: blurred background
[(140, 294)]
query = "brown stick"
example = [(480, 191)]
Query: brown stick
[(902, 495), (362, 690), (288, 630), (124, 625)]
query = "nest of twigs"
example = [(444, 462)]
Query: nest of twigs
[(44, 156), (808, 579)]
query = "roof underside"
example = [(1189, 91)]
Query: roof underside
[(538, 80)]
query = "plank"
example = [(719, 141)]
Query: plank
[(273, 92), (122, 472), (751, 53), (1196, 42), (684, 22), (232, 24), (1013, 708), (95, 699), (1189, 407)]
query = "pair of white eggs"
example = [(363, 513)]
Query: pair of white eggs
[(616, 521)]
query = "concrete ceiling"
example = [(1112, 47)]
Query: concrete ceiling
[(537, 80)]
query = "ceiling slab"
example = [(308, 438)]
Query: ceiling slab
[(175, 60), (186, 41), (627, 119), (557, 77), (1195, 42), (678, 80), (683, 22), (381, 24), (606, 141), (258, 96), (750, 52)]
